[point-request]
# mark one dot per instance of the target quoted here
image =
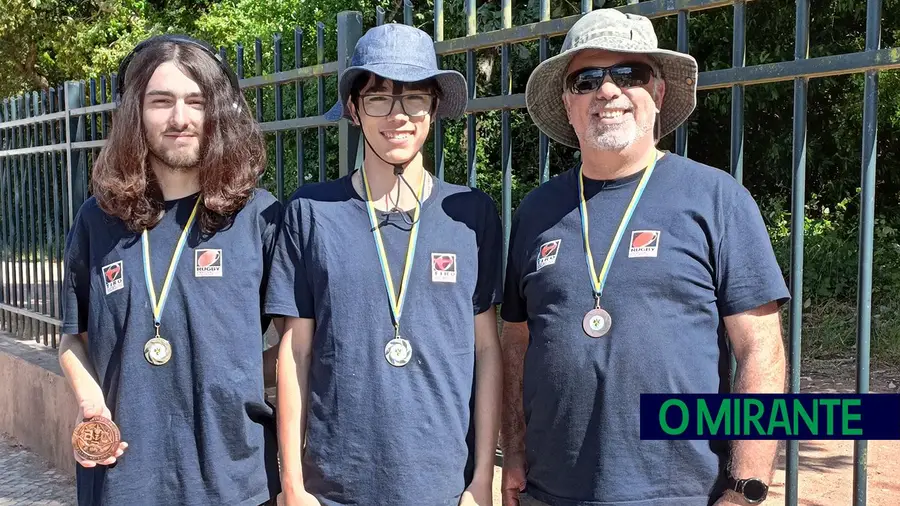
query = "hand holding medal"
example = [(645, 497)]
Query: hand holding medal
[(597, 322), (96, 439)]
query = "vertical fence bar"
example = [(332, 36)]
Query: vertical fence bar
[(84, 152), (349, 31), (506, 140), (5, 182), (798, 209), (438, 126), (239, 60), (320, 89), (258, 70), (471, 77), (93, 101), (738, 50), (681, 133), (279, 115), (40, 194), (379, 16), (866, 240), (76, 160), (587, 6), (56, 226), (298, 102), (30, 239), (63, 125), (44, 215), (543, 140), (407, 12), (104, 116), (18, 296)]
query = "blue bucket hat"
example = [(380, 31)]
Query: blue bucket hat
[(401, 53)]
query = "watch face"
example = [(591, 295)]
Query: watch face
[(755, 490)]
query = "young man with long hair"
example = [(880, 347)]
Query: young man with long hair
[(389, 367), (166, 266)]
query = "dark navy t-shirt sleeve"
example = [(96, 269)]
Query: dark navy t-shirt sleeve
[(489, 287), (747, 273), (513, 309), (76, 285), (269, 219), (287, 291)]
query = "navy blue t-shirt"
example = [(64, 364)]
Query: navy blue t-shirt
[(198, 427), (379, 434), (695, 251)]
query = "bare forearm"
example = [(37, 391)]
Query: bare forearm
[(488, 391), (292, 388), (78, 370), (755, 337), (759, 371), (514, 344)]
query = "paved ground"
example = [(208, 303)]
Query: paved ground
[(25, 479)]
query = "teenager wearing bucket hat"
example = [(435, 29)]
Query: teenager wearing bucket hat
[(390, 364), (634, 272)]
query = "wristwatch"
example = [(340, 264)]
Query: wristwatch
[(753, 489)]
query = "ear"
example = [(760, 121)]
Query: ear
[(659, 93), (354, 115), (565, 100)]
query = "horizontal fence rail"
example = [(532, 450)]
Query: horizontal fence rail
[(50, 139)]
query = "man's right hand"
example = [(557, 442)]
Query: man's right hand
[(512, 482), (90, 409), (300, 498)]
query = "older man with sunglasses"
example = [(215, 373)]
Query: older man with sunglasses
[(636, 271)]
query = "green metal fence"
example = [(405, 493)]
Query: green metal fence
[(48, 141)]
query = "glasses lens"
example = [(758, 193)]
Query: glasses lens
[(378, 105), (631, 75), (417, 105), (585, 81)]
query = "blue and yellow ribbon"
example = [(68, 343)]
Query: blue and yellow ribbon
[(598, 282), (396, 299), (167, 283)]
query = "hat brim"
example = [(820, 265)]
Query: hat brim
[(453, 87), (544, 90)]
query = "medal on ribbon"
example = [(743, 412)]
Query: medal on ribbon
[(398, 351), (597, 322), (158, 350)]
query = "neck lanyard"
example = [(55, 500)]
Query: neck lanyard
[(158, 351), (597, 322), (398, 351)]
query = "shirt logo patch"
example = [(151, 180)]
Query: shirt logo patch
[(547, 254), (112, 277), (644, 244), (208, 263), (443, 267)]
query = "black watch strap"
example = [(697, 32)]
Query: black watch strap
[(753, 490)]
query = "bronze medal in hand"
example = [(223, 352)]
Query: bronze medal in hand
[(96, 439)]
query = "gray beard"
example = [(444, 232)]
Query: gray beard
[(615, 137)]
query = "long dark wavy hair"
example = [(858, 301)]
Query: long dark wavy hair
[(232, 154)]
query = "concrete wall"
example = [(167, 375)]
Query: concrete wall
[(36, 405)]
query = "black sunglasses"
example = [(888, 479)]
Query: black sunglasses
[(623, 75)]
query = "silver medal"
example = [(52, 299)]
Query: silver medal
[(397, 352), (157, 351), (596, 322)]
